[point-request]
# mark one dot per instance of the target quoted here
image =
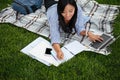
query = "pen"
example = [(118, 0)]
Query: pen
[(54, 56)]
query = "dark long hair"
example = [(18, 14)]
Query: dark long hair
[(67, 28)]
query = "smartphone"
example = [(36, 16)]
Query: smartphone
[(48, 51)]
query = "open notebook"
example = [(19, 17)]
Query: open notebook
[(41, 50), (37, 50)]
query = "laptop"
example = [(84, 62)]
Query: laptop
[(107, 40)]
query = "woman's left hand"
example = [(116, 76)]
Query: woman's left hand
[(94, 37)]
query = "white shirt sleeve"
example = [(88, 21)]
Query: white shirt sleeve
[(53, 22), (81, 21)]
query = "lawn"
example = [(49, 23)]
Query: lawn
[(15, 65)]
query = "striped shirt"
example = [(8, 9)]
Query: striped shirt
[(55, 33)]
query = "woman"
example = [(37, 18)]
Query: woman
[(65, 16)]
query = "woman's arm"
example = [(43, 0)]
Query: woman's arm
[(91, 36), (58, 50), (54, 30)]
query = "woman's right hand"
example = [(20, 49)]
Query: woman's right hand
[(58, 50), (60, 55)]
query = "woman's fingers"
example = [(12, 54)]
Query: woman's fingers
[(60, 55), (95, 38), (99, 38)]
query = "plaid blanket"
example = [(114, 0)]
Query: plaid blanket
[(101, 19)]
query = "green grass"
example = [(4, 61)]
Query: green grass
[(15, 65)]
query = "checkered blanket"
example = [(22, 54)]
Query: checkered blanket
[(101, 19)]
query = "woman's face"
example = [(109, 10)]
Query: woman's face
[(68, 12)]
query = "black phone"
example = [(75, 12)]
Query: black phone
[(48, 51)]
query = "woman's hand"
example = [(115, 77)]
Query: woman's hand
[(58, 50), (60, 55), (94, 37)]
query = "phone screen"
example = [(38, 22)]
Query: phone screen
[(48, 51)]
